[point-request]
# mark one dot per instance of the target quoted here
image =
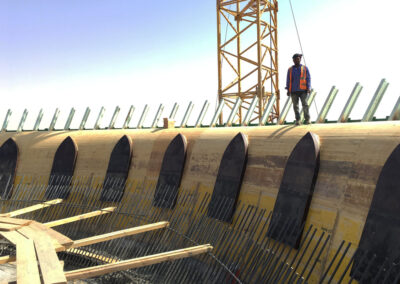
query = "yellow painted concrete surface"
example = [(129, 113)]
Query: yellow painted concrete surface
[(351, 158)]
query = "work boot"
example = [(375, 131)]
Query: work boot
[(307, 121), (297, 122)]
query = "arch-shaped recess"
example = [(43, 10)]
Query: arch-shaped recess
[(8, 165), (381, 233), (296, 190), (229, 179), (166, 191), (62, 170), (117, 171)]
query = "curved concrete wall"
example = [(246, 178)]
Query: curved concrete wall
[(351, 158)]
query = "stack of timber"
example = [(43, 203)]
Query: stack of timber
[(37, 245)]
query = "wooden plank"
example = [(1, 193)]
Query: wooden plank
[(31, 208), (62, 239), (50, 266), (7, 259), (27, 266), (137, 262), (80, 217), (87, 241), (35, 234), (15, 221), (14, 237), (119, 234), (9, 227)]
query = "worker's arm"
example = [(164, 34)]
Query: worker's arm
[(288, 81), (308, 78)]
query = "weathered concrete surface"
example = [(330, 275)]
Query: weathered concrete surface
[(351, 158)]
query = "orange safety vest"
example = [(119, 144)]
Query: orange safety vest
[(303, 78)]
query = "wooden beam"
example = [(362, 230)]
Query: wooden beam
[(27, 265), (9, 227), (119, 234), (31, 208), (80, 217), (15, 221), (13, 237), (92, 240), (62, 239), (137, 262), (50, 266), (33, 234)]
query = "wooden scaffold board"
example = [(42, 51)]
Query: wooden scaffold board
[(37, 245)]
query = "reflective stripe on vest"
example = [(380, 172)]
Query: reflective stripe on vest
[(303, 79)]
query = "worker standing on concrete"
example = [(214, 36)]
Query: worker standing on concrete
[(298, 85)]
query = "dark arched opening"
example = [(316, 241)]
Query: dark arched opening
[(296, 190), (8, 165), (62, 170), (229, 179), (117, 171), (166, 191)]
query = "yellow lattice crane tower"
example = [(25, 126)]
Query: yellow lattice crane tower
[(248, 55)]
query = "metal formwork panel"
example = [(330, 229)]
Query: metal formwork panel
[(84, 119), (114, 117), (234, 112), (6, 120), (250, 111), (310, 100), (143, 116), (69, 120), (187, 114), (268, 110), (344, 116), (174, 111), (38, 120), (395, 115), (217, 113), (128, 117), (202, 114), (327, 105), (285, 110), (22, 121), (158, 116), (99, 118), (376, 99), (54, 120)]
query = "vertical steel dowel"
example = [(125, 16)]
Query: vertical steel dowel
[(327, 105)]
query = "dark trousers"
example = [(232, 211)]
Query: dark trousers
[(295, 100)]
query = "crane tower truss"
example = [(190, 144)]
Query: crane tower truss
[(248, 55)]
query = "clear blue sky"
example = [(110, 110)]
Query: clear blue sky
[(70, 53)]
